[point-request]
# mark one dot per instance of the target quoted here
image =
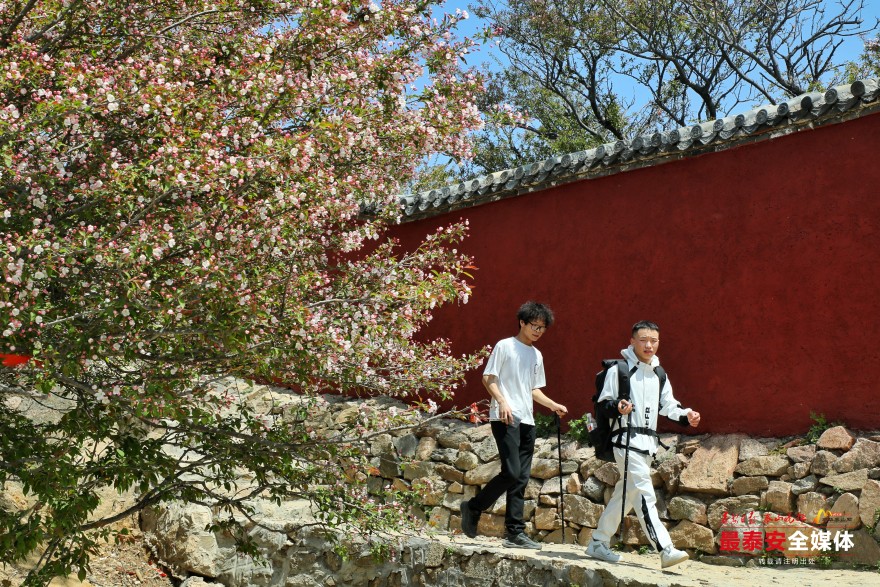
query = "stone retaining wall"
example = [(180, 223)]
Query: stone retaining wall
[(708, 488), (718, 495)]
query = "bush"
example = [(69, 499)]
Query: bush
[(577, 429)]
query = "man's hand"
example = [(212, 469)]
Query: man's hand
[(694, 418), (560, 410), (624, 407), (505, 413)]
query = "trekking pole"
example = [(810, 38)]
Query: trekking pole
[(561, 490), (625, 475)]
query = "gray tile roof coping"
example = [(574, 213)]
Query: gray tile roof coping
[(763, 122)]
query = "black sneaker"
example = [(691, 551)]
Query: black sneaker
[(521, 541), (469, 519)]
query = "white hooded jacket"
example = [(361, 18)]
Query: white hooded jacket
[(644, 387)]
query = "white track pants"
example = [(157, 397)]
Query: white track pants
[(639, 496)]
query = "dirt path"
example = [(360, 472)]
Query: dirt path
[(636, 570)]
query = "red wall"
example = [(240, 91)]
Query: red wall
[(760, 264)]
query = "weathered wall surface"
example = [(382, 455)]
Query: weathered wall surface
[(759, 263)]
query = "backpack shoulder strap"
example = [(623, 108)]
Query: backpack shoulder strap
[(623, 373), (661, 373)]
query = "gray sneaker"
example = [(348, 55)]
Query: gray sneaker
[(601, 551), (469, 519), (521, 541)]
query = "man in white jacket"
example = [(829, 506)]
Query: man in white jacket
[(640, 412)]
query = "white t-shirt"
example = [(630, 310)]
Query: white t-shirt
[(519, 368)]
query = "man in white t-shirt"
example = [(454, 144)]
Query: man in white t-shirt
[(514, 376)]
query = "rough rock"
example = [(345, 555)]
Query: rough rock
[(490, 525), (711, 466), (439, 519), (836, 438), (445, 455), (383, 445), (466, 461), (633, 533), (427, 445), (802, 454), (656, 479), (685, 507), (778, 498), (799, 470), (482, 474), (533, 488), (451, 438), (197, 581), (608, 474), (478, 433), (731, 506), (847, 481), (555, 536), (486, 450), (593, 488), (689, 535), (192, 549), (869, 503), (13, 498), (573, 484), (809, 505), (770, 466), (845, 513), (406, 445), (801, 486), (670, 470), (864, 454), (545, 468), (450, 473), (582, 511), (746, 485), (822, 463), (389, 467), (590, 465), (419, 469), (547, 518), (551, 486), (750, 448)]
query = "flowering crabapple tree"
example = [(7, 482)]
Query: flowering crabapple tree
[(192, 190)]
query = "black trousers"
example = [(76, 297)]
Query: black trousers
[(516, 445)]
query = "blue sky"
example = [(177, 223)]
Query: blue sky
[(850, 50)]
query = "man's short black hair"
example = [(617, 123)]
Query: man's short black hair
[(531, 311), (644, 324)]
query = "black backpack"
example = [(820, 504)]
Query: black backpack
[(604, 437)]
